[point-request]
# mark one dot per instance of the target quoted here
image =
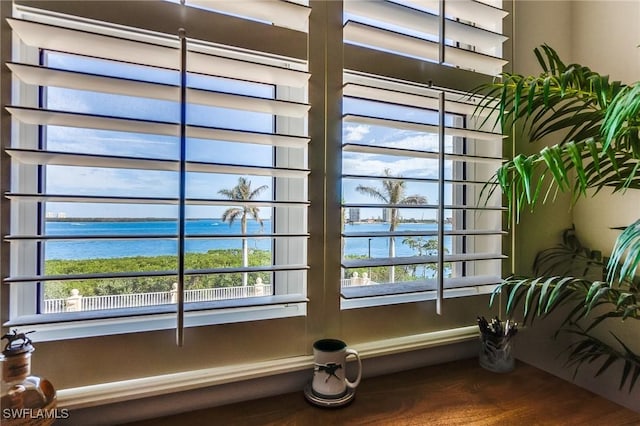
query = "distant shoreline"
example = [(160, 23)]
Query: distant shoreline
[(173, 219), (122, 219)]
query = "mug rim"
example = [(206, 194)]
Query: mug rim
[(335, 345)]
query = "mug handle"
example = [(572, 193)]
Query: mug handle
[(354, 384)]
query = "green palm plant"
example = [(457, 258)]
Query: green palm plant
[(598, 123), (392, 194), (242, 192)]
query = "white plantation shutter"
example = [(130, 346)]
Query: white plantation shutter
[(238, 102), (409, 124), (469, 32)]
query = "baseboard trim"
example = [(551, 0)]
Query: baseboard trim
[(146, 387)]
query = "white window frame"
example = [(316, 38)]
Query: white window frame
[(23, 304), (369, 52)]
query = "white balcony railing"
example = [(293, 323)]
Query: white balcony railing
[(356, 280), (77, 302)]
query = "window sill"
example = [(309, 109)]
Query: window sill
[(419, 291), (76, 325)]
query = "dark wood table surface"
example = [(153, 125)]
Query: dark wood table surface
[(456, 393)]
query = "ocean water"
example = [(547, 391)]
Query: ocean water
[(90, 249)]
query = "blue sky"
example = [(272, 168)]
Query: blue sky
[(149, 183)]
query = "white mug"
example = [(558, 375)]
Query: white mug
[(329, 373)]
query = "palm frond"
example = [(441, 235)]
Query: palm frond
[(625, 257), (597, 146), (621, 122), (589, 349), (542, 295), (563, 98), (537, 178)]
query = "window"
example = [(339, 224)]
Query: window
[(414, 160), (151, 169), (154, 171)]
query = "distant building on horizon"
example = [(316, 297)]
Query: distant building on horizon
[(354, 215), (385, 215), (55, 215)]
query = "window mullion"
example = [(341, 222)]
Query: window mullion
[(441, 201), (182, 189), (441, 33)]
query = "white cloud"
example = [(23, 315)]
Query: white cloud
[(97, 181), (355, 133), (103, 142), (414, 167), (418, 142)]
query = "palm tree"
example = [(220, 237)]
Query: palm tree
[(392, 193), (600, 148), (243, 192)]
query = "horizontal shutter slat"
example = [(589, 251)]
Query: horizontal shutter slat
[(281, 13), (63, 198), (422, 127), (417, 260), (98, 122), (246, 103), (380, 150), (395, 14), (142, 274), (89, 160), (271, 139), (147, 236), (475, 61), (95, 45), (253, 203), (245, 70), (424, 206), (419, 179), (427, 99), (464, 33), (457, 232), (473, 134), (42, 76), (368, 35), (386, 122), (245, 170), (429, 285)]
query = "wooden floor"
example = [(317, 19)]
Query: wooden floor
[(457, 393)]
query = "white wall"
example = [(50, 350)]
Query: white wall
[(536, 23), (606, 37)]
